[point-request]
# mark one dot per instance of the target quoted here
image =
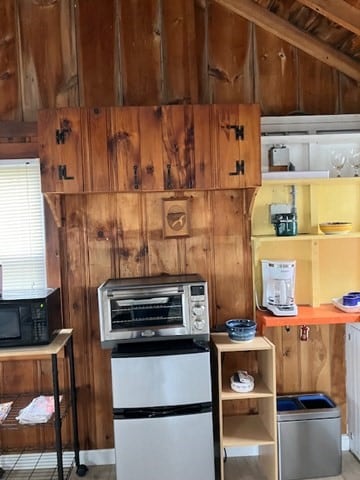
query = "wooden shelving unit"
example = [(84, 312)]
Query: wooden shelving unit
[(255, 428), (60, 347), (326, 265)]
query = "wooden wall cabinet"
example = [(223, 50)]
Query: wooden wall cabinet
[(124, 149), (257, 427), (160, 148)]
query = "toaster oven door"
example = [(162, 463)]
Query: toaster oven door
[(148, 313)]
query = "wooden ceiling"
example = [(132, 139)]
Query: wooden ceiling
[(329, 30)]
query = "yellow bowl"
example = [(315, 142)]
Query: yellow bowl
[(332, 228)]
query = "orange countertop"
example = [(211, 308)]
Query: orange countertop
[(307, 315)]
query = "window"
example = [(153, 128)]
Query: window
[(22, 231)]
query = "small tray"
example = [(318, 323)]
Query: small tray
[(338, 303)]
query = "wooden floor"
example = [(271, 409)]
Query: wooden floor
[(235, 469)]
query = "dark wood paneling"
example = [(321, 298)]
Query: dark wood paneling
[(276, 79), (318, 86), (230, 59), (18, 140), (349, 95), (10, 104), (97, 29), (140, 50), (16, 129), (202, 58), (48, 62), (160, 52), (179, 57)]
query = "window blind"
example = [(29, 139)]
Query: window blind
[(22, 231)]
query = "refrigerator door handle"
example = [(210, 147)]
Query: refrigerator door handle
[(158, 412)]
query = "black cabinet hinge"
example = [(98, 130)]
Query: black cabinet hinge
[(63, 132), (63, 174), (239, 131), (239, 168)]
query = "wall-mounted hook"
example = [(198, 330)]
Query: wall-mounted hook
[(304, 333)]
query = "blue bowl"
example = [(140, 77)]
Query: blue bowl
[(241, 330)]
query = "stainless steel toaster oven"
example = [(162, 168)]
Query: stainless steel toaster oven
[(153, 308)]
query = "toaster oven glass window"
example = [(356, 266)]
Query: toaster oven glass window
[(147, 312)]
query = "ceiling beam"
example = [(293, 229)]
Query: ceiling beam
[(284, 30), (337, 11)]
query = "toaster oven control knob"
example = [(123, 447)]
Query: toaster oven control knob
[(198, 310), (199, 324)]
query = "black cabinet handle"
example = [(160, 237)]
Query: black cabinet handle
[(136, 177), (239, 168), (168, 177)]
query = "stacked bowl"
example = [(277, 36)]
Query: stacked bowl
[(241, 330)]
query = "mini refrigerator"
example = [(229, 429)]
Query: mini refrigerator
[(162, 408)]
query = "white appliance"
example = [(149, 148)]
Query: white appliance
[(162, 409), (278, 278), (352, 349)]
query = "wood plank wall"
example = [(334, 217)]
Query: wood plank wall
[(89, 53), (129, 52)]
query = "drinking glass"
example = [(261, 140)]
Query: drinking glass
[(337, 160), (354, 160)]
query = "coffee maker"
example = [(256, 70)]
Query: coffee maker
[(278, 278)]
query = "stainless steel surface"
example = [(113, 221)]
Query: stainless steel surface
[(176, 448), (309, 443), (162, 411), (150, 308), (161, 380)]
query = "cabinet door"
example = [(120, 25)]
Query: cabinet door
[(151, 164), (60, 148), (236, 145), (186, 133), (95, 150), (178, 146), (204, 167)]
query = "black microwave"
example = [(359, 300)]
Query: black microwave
[(29, 317)]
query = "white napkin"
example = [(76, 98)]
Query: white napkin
[(39, 410)]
